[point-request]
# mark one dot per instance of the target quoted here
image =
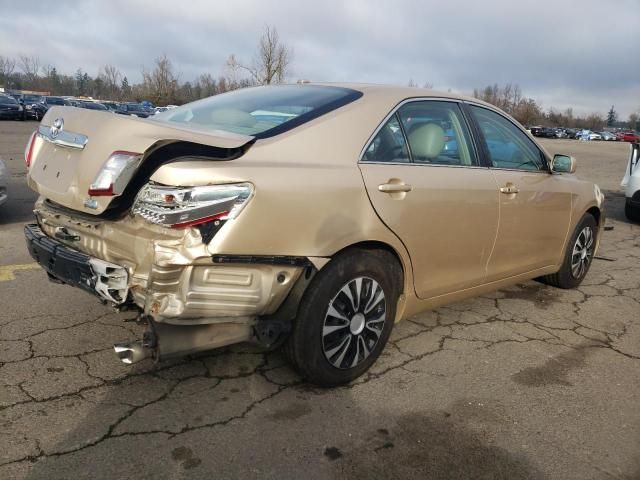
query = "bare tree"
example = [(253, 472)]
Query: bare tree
[(594, 121), (111, 77), (30, 65), (161, 83), (7, 67), (271, 62), (633, 121)]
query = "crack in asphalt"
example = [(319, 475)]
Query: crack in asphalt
[(509, 324)]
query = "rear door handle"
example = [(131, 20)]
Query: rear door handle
[(509, 188), (394, 187)]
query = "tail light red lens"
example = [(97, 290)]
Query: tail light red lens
[(115, 174), (28, 152)]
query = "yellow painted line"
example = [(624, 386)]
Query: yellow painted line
[(7, 271)]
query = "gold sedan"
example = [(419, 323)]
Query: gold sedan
[(314, 216)]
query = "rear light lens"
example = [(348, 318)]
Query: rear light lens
[(28, 152), (115, 174), (181, 207)]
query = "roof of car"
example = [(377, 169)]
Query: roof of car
[(394, 92)]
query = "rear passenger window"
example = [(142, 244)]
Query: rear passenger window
[(388, 145), (437, 133), (508, 146)]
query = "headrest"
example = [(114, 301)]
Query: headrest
[(229, 116), (427, 140)]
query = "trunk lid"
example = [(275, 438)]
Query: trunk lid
[(73, 144)]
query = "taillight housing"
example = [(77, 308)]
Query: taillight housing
[(28, 151), (181, 207), (115, 174)]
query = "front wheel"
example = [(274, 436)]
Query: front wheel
[(345, 317), (578, 256)]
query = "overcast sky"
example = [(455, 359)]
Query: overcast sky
[(579, 53)]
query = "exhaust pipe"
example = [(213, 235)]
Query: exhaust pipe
[(164, 341), (131, 352)]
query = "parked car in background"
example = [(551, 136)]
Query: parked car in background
[(588, 135), (631, 184), (629, 137), (536, 131), (93, 106), (595, 136), (561, 133), (4, 182), (111, 106), (311, 215), (10, 108), (548, 132), (135, 109), (608, 136), (34, 108), (48, 102), (571, 132)]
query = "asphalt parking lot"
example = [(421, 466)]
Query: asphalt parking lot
[(528, 382)]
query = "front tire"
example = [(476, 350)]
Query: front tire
[(578, 256), (345, 317)]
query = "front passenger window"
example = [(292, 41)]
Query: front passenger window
[(508, 146)]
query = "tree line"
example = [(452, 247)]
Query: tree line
[(529, 112), (160, 84)]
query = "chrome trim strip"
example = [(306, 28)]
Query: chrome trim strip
[(410, 164), (64, 138)]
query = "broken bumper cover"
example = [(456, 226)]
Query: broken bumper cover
[(106, 280)]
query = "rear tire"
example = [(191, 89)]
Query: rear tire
[(345, 317), (578, 256), (632, 213)]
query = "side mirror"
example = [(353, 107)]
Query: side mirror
[(563, 164)]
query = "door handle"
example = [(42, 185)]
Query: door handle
[(394, 187), (509, 189)]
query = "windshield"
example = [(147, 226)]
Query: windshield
[(56, 101), (32, 98), (261, 111), (7, 99)]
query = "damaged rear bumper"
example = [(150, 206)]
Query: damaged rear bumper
[(106, 280), (190, 300)]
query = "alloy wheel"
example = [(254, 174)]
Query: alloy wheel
[(582, 253), (354, 322)]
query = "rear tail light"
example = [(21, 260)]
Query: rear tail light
[(28, 152), (181, 207), (115, 174)]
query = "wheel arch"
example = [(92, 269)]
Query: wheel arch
[(596, 213), (404, 279)]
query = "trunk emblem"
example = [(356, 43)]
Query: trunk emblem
[(57, 127)]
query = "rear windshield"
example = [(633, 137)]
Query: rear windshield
[(261, 111), (94, 106)]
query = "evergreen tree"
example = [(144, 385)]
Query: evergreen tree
[(125, 88), (612, 117)]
